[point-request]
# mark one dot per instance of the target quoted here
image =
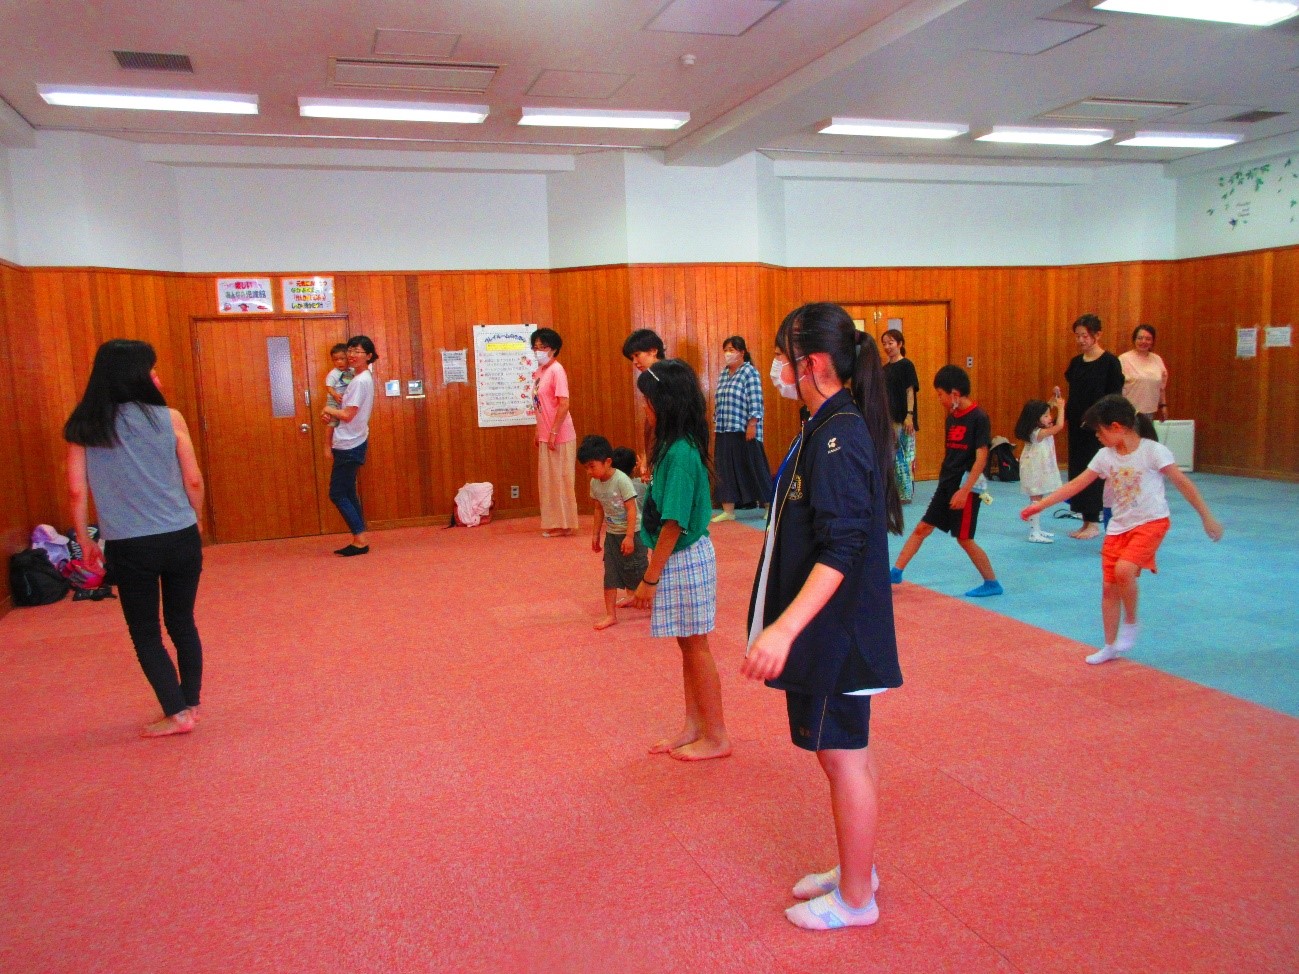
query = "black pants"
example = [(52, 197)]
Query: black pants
[(1083, 445), (171, 564)]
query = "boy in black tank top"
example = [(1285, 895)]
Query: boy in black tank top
[(955, 506)]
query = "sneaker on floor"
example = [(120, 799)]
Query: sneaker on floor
[(830, 912), (991, 587), (724, 516), (1040, 537), (895, 576), (1103, 655), (1127, 638), (818, 884)]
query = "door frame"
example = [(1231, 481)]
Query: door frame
[(195, 323)]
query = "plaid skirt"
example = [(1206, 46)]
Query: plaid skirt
[(685, 601)]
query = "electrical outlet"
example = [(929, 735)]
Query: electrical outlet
[(514, 492), (969, 361)]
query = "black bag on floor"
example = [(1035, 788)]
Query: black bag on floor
[(34, 580), (1002, 464)]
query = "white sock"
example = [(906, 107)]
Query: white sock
[(830, 912), (818, 884), (1035, 524)]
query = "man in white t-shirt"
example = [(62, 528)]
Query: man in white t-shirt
[(1134, 470)]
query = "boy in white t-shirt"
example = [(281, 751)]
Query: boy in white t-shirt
[(1134, 470)]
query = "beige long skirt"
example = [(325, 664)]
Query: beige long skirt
[(556, 472)]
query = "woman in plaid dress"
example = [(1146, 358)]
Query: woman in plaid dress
[(680, 584), (743, 476)]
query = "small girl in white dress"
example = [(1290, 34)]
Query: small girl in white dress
[(1039, 472)]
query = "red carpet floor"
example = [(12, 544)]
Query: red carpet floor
[(427, 760)]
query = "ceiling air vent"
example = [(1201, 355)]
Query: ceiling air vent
[(148, 61), (1113, 110), (413, 74), (1257, 115)]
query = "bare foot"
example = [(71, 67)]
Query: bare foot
[(702, 750), (181, 723), (625, 603), (1085, 533), (193, 712), (688, 735), (606, 622)]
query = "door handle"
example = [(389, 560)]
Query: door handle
[(305, 427)]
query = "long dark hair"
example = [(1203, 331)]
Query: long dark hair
[(672, 389), (120, 375), (824, 327), (1030, 418)]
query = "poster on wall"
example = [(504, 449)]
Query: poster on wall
[(503, 367), (308, 294), (1246, 342), (1277, 336), (244, 296), (455, 366)]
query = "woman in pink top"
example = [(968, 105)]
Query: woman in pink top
[(556, 438), (1145, 377)]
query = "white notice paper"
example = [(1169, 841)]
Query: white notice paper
[(503, 367), (1276, 336), (1246, 342), (455, 366)]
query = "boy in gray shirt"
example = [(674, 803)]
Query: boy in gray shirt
[(616, 514)]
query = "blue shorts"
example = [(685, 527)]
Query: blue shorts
[(837, 722)]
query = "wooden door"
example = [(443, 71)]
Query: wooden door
[(267, 463), (924, 326)]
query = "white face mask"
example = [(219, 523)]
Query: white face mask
[(731, 357), (543, 357), (784, 388)]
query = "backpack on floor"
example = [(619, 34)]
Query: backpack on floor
[(34, 580), (1002, 464)]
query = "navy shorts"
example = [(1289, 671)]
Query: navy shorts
[(959, 524), (835, 723)]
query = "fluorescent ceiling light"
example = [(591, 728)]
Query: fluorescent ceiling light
[(603, 119), (1255, 13), (80, 96), (886, 128), (391, 111), (1181, 140), (1029, 135)]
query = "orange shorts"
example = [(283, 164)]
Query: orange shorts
[(1137, 546)]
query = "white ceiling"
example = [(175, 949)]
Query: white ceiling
[(980, 62)]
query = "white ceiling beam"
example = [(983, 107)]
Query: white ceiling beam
[(767, 116), (888, 172), (259, 157)]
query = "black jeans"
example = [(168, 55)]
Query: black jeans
[(342, 485), (1083, 445), (141, 568)]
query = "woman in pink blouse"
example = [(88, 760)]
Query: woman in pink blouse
[(1145, 377)]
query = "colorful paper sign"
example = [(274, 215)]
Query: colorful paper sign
[(244, 296), (503, 367), (308, 294)]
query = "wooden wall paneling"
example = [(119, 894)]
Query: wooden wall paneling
[(1281, 433), (47, 375), (15, 322)]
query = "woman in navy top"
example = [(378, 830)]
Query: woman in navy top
[(821, 617)]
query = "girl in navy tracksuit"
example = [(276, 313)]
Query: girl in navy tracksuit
[(821, 618)]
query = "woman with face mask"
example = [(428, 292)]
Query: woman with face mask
[(743, 475)]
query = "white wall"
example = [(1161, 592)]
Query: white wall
[(89, 200), (587, 211), (8, 228), (771, 212), (686, 214), (1123, 213), (881, 224), (1246, 206), (301, 220)]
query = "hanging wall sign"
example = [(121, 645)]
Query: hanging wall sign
[(307, 294), (244, 296), (503, 366)]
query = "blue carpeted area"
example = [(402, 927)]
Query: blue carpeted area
[(1224, 615)]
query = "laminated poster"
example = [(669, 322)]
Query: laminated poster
[(503, 367), (308, 294), (1277, 336), (244, 296), (1246, 342)]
